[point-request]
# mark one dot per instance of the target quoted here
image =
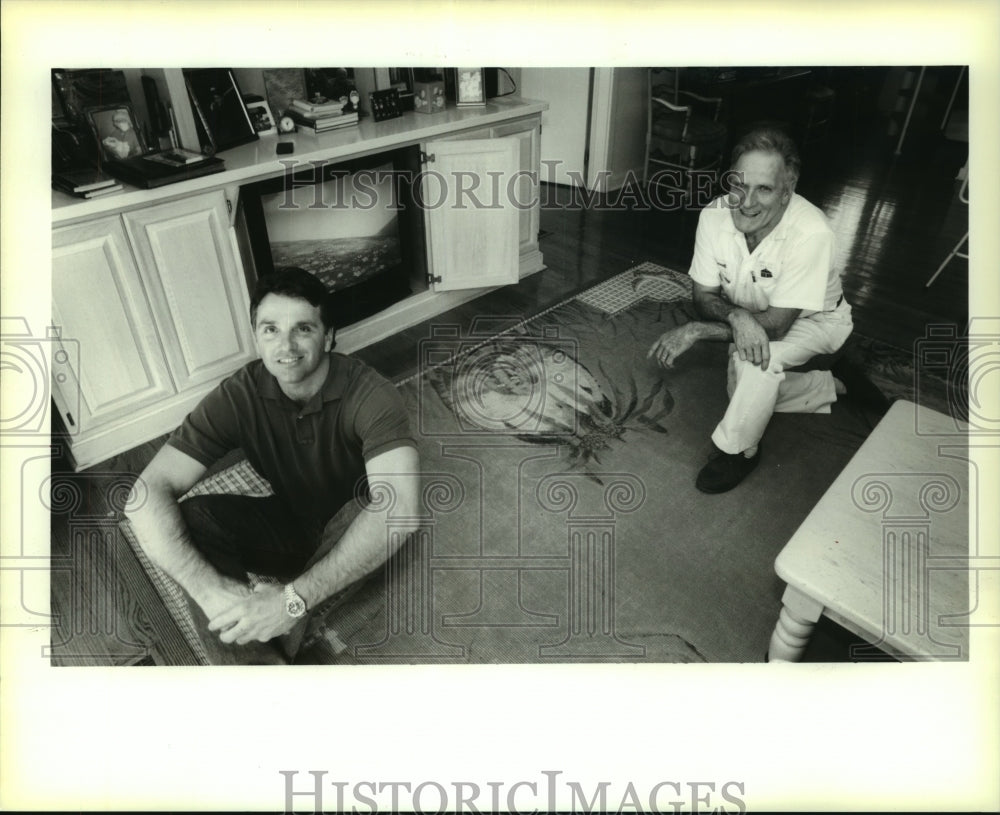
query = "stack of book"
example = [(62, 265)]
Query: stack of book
[(321, 117), (85, 183)]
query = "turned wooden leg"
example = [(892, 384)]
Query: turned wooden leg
[(799, 615)]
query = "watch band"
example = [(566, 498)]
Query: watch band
[(295, 606)]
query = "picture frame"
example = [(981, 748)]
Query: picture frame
[(402, 80), (262, 118), (219, 109), (115, 131), (385, 104), (470, 87)]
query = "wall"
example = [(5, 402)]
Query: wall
[(604, 149), (623, 146)]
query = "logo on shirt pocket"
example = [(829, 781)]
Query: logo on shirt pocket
[(766, 273)]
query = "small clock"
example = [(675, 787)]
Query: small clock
[(286, 124)]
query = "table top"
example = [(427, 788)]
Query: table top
[(885, 549)]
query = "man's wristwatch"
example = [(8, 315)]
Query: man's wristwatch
[(295, 606)]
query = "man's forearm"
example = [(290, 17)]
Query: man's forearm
[(714, 307), (719, 312), (368, 542), (161, 530)]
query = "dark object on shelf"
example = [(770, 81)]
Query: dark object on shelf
[(385, 104), (88, 183), (141, 172), (94, 87), (218, 107), (159, 119), (331, 84), (78, 181), (72, 148), (491, 77), (284, 148)]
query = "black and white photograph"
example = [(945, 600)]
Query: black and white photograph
[(639, 406), (262, 118), (115, 131)]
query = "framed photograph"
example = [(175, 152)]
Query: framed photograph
[(218, 107), (115, 131), (282, 85), (262, 118), (469, 87)]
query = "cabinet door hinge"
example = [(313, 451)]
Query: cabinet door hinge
[(229, 206), (426, 158), (433, 278)]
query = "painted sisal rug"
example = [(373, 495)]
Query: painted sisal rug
[(561, 522)]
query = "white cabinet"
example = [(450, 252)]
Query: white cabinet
[(149, 287), (472, 229), (155, 303), (116, 365), (510, 194), (195, 286)]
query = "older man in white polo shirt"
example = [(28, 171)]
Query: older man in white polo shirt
[(764, 280)]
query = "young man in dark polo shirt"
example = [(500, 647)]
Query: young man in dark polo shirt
[(316, 425)]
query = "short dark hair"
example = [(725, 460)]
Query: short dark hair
[(292, 281), (771, 140)]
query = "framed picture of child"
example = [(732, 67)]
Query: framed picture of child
[(262, 118), (115, 129)]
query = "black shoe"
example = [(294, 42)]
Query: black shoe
[(860, 389), (725, 470)]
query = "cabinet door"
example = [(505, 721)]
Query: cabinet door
[(525, 192), (196, 286), (472, 227), (114, 364)]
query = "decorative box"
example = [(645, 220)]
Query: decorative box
[(428, 97)]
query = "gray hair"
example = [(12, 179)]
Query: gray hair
[(775, 141)]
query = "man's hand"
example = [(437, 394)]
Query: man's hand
[(259, 616), (223, 596), (750, 338), (672, 344)]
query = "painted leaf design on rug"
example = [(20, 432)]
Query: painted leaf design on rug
[(539, 392)]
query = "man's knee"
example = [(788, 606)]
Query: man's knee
[(213, 515)]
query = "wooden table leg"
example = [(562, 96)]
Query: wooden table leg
[(799, 615)]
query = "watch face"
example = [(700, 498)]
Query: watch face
[(286, 125), (295, 606)]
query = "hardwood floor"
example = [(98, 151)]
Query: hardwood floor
[(896, 218)]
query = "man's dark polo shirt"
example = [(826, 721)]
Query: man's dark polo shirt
[(312, 456)]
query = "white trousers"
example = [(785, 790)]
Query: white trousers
[(755, 394)]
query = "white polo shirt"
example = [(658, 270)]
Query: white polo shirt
[(791, 268)]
